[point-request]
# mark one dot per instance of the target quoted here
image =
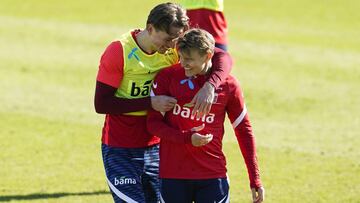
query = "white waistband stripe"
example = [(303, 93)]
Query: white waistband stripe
[(161, 199), (120, 194)]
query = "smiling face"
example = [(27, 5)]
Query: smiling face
[(161, 40), (195, 48), (193, 62), (165, 23)]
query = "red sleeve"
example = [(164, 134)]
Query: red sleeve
[(111, 68), (156, 123), (109, 77), (221, 67), (238, 116)]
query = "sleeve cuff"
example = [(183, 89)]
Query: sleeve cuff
[(256, 184)]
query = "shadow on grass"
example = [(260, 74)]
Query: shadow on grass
[(36, 196)]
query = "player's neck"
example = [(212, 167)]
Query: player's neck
[(143, 41)]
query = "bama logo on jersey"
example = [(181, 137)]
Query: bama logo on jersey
[(185, 112), (124, 181), (140, 89)]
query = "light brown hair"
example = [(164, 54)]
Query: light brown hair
[(196, 39)]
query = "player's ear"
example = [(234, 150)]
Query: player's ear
[(209, 55), (150, 28)]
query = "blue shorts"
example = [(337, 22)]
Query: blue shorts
[(132, 173), (199, 191)]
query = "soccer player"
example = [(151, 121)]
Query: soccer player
[(126, 72), (208, 15), (192, 164)]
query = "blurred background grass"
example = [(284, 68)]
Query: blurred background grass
[(298, 63)]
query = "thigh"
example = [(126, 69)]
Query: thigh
[(176, 191), (212, 190), (123, 172), (150, 177)]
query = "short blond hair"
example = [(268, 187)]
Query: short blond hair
[(196, 39)]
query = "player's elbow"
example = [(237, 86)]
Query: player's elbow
[(99, 107), (98, 110)]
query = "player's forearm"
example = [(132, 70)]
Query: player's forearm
[(156, 126), (106, 103), (249, 154), (246, 141), (221, 67)]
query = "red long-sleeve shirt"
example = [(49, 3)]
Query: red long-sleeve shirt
[(179, 159), (130, 131)]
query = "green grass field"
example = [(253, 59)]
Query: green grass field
[(298, 63)]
